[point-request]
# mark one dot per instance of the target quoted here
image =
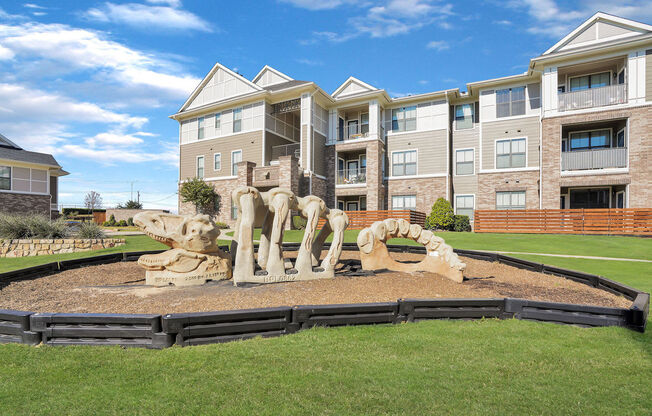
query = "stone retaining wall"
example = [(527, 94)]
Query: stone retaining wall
[(39, 247)]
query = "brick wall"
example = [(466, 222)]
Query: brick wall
[(640, 155), (490, 183), (427, 191), (25, 204), (125, 214), (41, 247)]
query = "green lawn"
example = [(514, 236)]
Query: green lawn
[(434, 367)]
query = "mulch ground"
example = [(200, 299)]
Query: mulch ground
[(120, 288)]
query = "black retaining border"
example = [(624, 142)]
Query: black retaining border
[(161, 331)]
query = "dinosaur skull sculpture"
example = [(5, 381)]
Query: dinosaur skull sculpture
[(270, 211), (194, 258), (439, 259)]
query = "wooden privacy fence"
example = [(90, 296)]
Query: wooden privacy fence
[(636, 221), (362, 219)]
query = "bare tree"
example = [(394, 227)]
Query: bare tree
[(93, 200)]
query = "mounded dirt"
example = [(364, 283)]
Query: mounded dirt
[(120, 288)]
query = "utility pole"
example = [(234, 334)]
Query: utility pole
[(138, 193)]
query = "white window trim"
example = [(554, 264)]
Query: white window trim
[(215, 154), (11, 179), (455, 161), (391, 199), (231, 162), (568, 79), (511, 192), (624, 199), (455, 204), (416, 120), (611, 136), (197, 166), (391, 163), (526, 99), (624, 130), (233, 113), (527, 158), (473, 123)]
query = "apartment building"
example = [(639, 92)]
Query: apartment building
[(573, 131)]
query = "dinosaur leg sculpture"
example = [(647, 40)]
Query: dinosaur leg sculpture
[(246, 199), (312, 208), (318, 245), (280, 204), (265, 235), (337, 221)]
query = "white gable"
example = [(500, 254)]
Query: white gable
[(600, 28), (221, 83), (6, 142), (270, 76), (352, 86)]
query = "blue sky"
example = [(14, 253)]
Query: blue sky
[(94, 82)]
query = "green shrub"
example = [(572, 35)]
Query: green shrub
[(111, 221), (106, 224), (298, 222), (202, 195), (131, 204), (461, 223), (130, 222), (13, 226), (90, 230), (221, 225), (80, 211), (122, 223), (441, 216)]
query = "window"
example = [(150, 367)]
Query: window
[(404, 202), (620, 139), (234, 210), (404, 118), (363, 203), (217, 122), (510, 200), (510, 102), (404, 163), (364, 123), (589, 198), (200, 166), (464, 205), (236, 157), (237, 120), (464, 162), (510, 153), (5, 178), (217, 161), (587, 140), (200, 128), (590, 81), (340, 205), (464, 116)]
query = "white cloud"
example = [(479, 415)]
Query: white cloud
[(114, 138), (146, 17), (171, 3), (33, 6), (111, 155), (310, 62), (438, 45), (502, 22), (318, 5), (424, 82), (81, 49), (6, 53)]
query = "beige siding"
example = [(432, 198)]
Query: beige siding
[(431, 149), (648, 75), (319, 152), (587, 35), (510, 129), (465, 185), (272, 140), (607, 30), (465, 139), (250, 144)]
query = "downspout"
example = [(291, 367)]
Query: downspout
[(541, 107)]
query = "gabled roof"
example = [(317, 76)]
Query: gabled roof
[(285, 85), (209, 76), (270, 76), (352, 86), (599, 28), (21, 155), (5, 142)]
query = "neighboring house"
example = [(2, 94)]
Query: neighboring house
[(574, 131), (29, 181)]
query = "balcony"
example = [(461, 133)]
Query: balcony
[(352, 177), (286, 150), (593, 97), (594, 159)]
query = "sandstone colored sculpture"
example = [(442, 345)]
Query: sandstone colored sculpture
[(270, 210), (194, 258), (439, 258)]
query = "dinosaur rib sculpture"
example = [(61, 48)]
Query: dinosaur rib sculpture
[(439, 258), (194, 258), (270, 210)]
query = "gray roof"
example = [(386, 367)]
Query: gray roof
[(21, 155), (284, 85)]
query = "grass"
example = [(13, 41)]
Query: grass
[(434, 367)]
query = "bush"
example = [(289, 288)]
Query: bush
[(13, 226), (461, 223), (90, 230), (299, 223), (221, 225), (79, 211), (441, 216), (202, 195), (130, 222), (122, 223), (131, 204), (106, 224), (111, 222)]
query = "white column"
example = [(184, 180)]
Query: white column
[(306, 120), (549, 90), (332, 125), (636, 77), (374, 117)]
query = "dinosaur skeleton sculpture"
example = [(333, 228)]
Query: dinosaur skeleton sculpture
[(194, 258), (439, 259), (270, 211)]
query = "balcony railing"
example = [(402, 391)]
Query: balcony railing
[(353, 132), (352, 176), (594, 159), (286, 150), (593, 97)]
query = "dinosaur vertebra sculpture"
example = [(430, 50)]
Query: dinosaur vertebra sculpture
[(439, 259), (194, 258), (270, 211)]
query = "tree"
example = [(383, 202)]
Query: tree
[(441, 217), (131, 204), (93, 200), (202, 195)]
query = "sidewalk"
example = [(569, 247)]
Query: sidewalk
[(572, 256)]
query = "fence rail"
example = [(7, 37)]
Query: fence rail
[(594, 159), (593, 97), (362, 219), (637, 221)]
